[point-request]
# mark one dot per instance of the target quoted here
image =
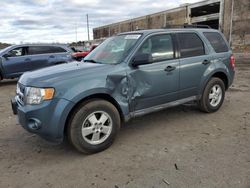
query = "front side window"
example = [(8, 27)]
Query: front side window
[(159, 47), (217, 42), (190, 45), (16, 52), (113, 50)]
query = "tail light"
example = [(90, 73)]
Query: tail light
[(232, 62)]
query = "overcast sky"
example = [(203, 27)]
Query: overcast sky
[(56, 20)]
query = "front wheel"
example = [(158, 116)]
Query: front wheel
[(213, 96), (94, 126)]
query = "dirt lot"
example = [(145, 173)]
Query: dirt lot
[(181, 147)]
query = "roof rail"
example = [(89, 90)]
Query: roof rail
[(187, 26)]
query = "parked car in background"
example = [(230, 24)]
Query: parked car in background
[(128, 75), (80, 55), (17, 59)]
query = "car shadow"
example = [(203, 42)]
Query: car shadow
[(143, 123), (8, 82), (165, 114)]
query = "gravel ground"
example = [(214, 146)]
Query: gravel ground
[(177, 147)]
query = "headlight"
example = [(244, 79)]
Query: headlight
[(37, 95)]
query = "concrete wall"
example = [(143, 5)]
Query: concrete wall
[(154, 21), (239, 35), (241, 26)]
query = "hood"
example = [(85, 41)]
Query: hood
[(59, 73)]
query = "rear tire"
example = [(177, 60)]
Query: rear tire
[(213, 96), (93, 126)]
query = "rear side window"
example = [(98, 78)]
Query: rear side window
[(217, 42), (190, 45), (34, 50)]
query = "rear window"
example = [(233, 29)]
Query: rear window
[(217, 42), (190, 45)]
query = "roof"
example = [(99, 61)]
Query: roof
[(149, 31)]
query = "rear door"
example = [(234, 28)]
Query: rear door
[(39, 56), (194, 61)]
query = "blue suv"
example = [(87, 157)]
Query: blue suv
[(128, 75), (17, 59)]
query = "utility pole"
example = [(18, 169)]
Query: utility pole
[(88, 25), (76, 31)]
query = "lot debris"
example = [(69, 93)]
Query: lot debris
[(165, 181), (176, 167), (205, 133)]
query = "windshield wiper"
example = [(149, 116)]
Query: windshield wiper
[(91, 61)]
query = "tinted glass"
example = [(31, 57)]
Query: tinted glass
[(33, 50), (160, 47), (56, 49), (190, 45), (216, 41)]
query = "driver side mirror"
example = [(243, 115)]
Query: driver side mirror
[(142, 59), (6, 56)]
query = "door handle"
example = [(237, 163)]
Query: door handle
[(52, 56), (169, 68), (206, 62)]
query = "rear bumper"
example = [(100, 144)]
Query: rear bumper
[(231, 78), (46, 120)]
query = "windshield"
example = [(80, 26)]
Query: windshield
[(5, 49), (113, 50)]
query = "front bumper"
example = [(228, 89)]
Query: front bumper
[(46, 120)]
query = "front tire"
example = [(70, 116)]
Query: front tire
[(93, 126), (213, 96)]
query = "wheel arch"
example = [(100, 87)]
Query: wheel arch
[(103, 96), (223, 77), (218, 74)]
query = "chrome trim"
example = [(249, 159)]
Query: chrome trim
[(20, 90)]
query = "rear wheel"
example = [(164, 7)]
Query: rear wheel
[(213, 96), (93, 126)]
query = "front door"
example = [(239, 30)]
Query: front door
[(156, 83), (16, 62), (39, 56)]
